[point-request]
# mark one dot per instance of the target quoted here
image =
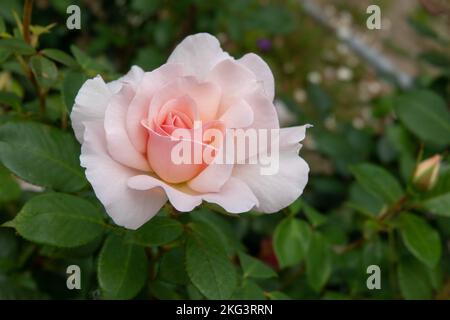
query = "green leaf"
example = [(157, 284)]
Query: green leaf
[(10, 249), (318, 262), (413, 280), (425, 114), (221, 227), (439, 205), (422, 27), (278, 295), (438, 199), (172, 268), (157, 231), (207, 263), (19, 287), (122, 269), (87, 63), (58, 219), (436, 58), (249, 290), (10, 99), (44, 70), (2, 25), (164, 291), (291, 241), (9, 188), (72, 83), (378, 181), (255, 268), (315, 217), (41, 155), (18, 46), (59, 56), (420, 239)]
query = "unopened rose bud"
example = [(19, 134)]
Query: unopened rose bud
[(426, 174)]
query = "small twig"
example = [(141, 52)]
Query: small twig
[(393, 210), (444, 294), (28, 8), (27, 11), (396, 208)]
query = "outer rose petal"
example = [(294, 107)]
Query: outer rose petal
[(262, 72), (132, 78), (127, 207), (118, 142), (90, 104), (238, 82), (235, 196), (265, 114), (198, 53), (233, 78), (93, 98), (291, 178)]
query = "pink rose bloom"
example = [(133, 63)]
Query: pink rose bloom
[(126, 128)]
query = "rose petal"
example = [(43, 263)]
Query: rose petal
[(291, 177), (261, 71), (235, 196), (181, 197), (93, 98), (90, 104), (206, 96), (119, 144), (238, 115), (198, 54), (233, 79), (138, 109), (159, 154), (128, 207), (216, 174), (265, 114)]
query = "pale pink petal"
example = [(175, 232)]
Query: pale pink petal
[(233, 79), (235, 197), (181, 197), (118, 142), (128, 207), (206, 96), (159, 154), (291, 177), (93, 98), (198, 54), (238, 115), (265, 114), (132, 78), (138, 109), (90, 104), (261, 71), (292, 135), (215, 175), (182, 106)]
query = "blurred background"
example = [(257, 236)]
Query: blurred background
[(330, 71)]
